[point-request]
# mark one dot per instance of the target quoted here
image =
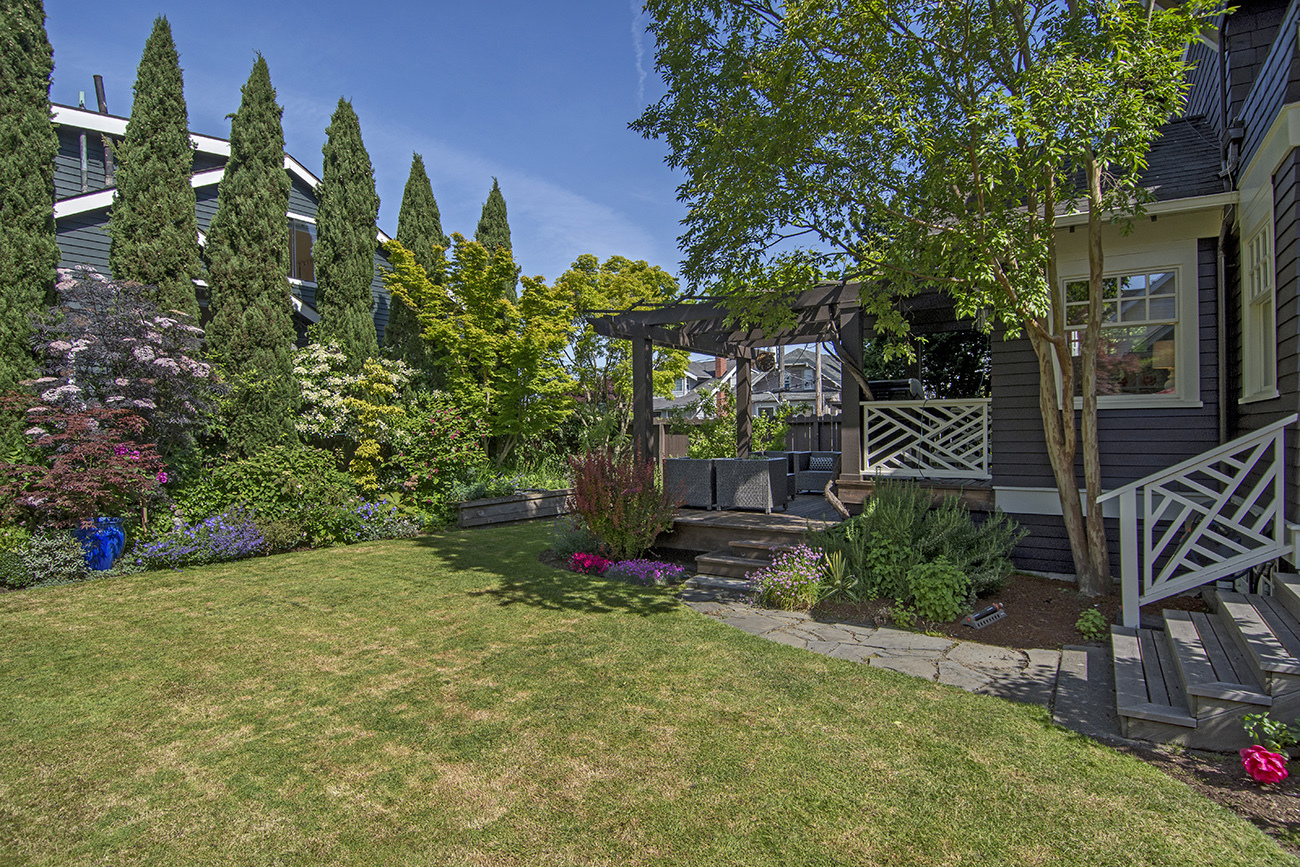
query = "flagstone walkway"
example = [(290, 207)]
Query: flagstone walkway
[(1021, 675)]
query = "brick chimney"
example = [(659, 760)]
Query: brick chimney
[(719, 367)]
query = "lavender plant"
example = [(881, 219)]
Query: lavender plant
[(230, 535), (792, 582), (647, 572), (384, 520)]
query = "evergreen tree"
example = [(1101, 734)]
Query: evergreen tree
[(251, 334), (344, 252), (419, 230), (28, 145), (154, 234), (493, 233)]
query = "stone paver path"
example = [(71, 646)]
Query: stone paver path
[(1022, 675)]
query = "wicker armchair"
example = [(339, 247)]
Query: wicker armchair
[(751, 483), (789, 458), (690, 480), (815, 469)]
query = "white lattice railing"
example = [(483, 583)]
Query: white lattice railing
[(926, 438), (1206, 518)]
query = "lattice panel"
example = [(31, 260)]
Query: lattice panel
[(1215, 518), (932, 439)]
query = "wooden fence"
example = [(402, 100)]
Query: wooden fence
[(806, 435)]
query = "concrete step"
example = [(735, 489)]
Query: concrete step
[(723, 564), (715, 584), (1148, 693)]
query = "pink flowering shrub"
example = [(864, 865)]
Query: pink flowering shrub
[(588, 564), (1263, 766)]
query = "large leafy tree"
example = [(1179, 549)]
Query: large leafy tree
[(493, 232), (251, 334), (602, 366), (344, 252), (500, 358), (916, 146), (419, 230), (153, 231), (28, 145)]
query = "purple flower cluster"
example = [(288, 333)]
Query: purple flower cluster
[(383, 520), (793, 579), (231, 535), (646, 572), (588, 564)]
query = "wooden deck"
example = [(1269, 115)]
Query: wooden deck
[(709, 530)]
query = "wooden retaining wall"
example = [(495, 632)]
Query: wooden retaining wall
[(523, 506)]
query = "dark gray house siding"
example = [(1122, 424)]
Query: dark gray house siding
[(1258, 83), (1203, 93), (1133, 442), (83, 240), (302, 198)]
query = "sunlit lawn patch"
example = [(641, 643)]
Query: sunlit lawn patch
[(450, 700)]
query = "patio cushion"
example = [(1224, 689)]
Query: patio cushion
[(821, 463)]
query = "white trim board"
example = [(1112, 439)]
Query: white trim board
[(1042, 501)]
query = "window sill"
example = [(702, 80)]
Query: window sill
[(1260, 397), (1143, 401)]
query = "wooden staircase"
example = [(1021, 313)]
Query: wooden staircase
[(726, 571), (1194, 681)]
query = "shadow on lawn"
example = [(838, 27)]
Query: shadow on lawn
[(525, 581)]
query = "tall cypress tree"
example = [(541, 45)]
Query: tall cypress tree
[(493, 232), (419, 229), (28, 145), (251, 333), (344, 252), (154, 234)]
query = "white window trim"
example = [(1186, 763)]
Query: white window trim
[(1187, 345), (1258, 375)]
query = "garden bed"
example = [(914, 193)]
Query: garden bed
[(523, 506)]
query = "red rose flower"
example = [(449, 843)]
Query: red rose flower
[(1263, 766)]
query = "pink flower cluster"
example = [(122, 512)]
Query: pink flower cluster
[(1263, 766), (588, 564)]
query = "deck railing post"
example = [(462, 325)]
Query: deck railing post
[(1130, 577)]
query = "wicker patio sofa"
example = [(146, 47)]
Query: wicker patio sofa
[(814, 469), (751, 483), (690, 480)]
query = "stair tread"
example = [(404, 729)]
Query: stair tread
[(1276, 654), (1210, 666), (1141, 690), (721, 582), (725, 557)]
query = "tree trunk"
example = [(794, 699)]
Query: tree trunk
[(1096, 580)]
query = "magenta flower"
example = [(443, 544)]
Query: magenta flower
[(1263, 766), (162, 477)]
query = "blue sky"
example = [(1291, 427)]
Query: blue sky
[(535, 93)]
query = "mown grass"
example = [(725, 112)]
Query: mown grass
[(449, 700)]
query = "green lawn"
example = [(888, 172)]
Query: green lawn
[(449, 700)]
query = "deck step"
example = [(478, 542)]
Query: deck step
[(1286, 587), (1264, 632), (1148, 694), (723, 564), (1210, 664), (756, 549)]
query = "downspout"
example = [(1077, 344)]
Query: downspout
[(1221, 323)]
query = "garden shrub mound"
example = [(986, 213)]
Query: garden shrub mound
[(448, 699), (933, 562)]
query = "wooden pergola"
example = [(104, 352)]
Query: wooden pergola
[(826, 313)]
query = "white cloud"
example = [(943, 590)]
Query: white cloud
[(638, 47)]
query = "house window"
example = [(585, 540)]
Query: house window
[(1259, 316), (302, 235), (1138, 350), (679, 387)]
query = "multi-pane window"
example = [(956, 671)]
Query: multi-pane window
[(301, 237), (1137, 353), (1259, 344)]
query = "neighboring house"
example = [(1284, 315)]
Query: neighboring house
[(83, 191), (768, 390), (700, 378)]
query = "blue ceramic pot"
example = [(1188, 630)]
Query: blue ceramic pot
[(102, 543)]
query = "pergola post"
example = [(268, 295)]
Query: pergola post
[(643, 389), (851, 398), (744, 425)]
